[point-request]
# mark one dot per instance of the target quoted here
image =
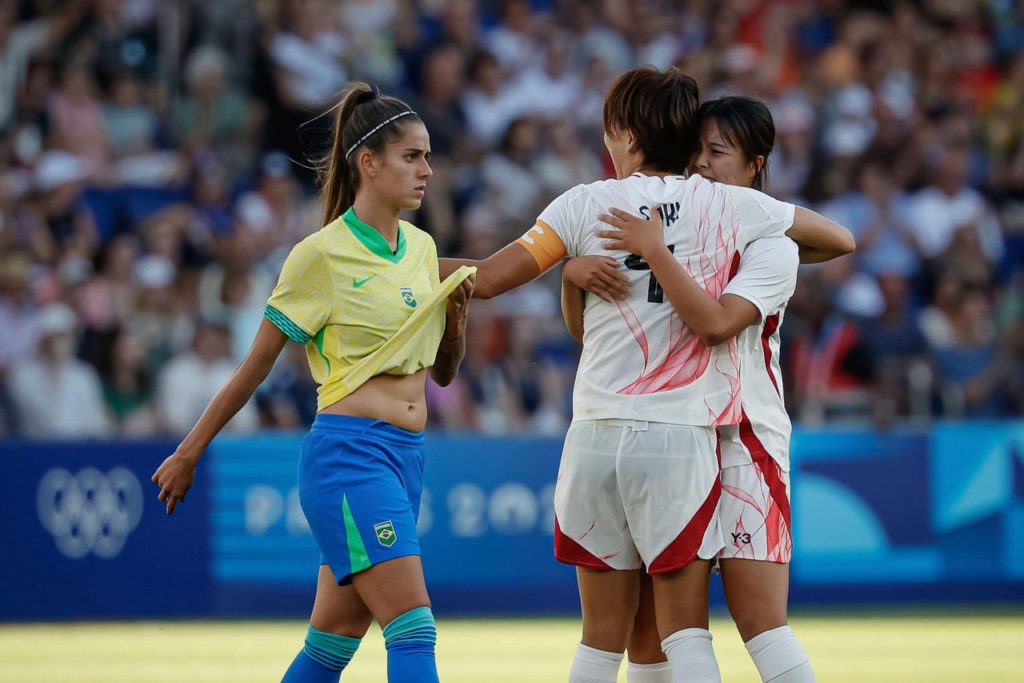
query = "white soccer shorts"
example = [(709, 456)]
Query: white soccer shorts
[(755, 510), (632, 492)]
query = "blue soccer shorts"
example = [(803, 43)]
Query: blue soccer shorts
[(360, 482)]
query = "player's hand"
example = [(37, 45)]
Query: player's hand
[(174, 477), (457, 309), (598, 275), (632, 233)]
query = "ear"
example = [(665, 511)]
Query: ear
[(367, 162), (758, 164), (631, 141)]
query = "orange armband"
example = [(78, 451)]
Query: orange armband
[(544, 245)]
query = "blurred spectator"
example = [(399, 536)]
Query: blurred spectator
[(20, 42), (566, 161), (550, 89), (76, 118), (510, 175), (826, 363), (878, 215), (66, 223), (192, 378), (55, 394), (131, 126), (897, 351), (488, 105), (128, 385), (513, 41), (213, 115), (20, 321), (949, 206), (147, 183), (973, 370), (274, 212)]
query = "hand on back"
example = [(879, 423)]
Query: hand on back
[(599, 275)]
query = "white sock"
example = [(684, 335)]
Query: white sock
[(594, 666), (692, 657), (779, 657), (649, 673)]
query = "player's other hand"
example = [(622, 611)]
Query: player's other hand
[(457, 309), (174, 477), (598, 275), (632, 233)]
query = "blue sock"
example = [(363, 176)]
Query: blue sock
[(322, 658), (410, 639)]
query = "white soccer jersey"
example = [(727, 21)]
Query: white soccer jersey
[(766, 278), (639, 360)]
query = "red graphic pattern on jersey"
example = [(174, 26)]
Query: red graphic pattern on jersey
[(635, 327), (771, 323), (686, 358), (777, 522)]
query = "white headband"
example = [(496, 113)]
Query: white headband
[(376, 128)]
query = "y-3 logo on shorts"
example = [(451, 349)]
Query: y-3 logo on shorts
[(385, 533), (740, 538)]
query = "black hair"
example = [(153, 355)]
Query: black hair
[(746, 124), (659, 108)]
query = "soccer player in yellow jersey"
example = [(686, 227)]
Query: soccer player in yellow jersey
[(364, 297)]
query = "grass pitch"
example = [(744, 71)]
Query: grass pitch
[(932, 648)]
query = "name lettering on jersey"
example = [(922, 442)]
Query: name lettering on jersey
[(408, 297), (669, 213), (528, 238)]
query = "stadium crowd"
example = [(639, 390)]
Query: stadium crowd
[(155, 169)]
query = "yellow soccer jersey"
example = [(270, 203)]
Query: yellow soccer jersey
[(343, 293)]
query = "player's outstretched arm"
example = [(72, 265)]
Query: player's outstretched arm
[(175, 474), (819, 238), (452, 348), (506, 269), (714, 321)]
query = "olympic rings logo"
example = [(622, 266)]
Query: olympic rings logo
[(89, 511)]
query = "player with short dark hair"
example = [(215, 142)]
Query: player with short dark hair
[(737, 136), (638, 483)]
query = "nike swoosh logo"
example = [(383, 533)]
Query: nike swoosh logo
[(359, 283)]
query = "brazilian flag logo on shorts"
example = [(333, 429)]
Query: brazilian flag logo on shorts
[(385, 533), (407, 297)]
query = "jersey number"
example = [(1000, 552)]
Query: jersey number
[(655, 294)]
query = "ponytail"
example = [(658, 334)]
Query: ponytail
[(363, 118)]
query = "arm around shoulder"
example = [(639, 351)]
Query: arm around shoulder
[(819, 238)]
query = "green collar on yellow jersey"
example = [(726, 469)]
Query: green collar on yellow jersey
[(372, 239)]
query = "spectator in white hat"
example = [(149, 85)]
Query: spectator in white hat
[(55, 394)]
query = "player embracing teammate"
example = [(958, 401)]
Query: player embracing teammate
[(737, 136), (639, 485)]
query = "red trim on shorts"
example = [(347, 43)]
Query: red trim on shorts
[(571, 552), (768, 467), (771, 323), (683, 550)]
